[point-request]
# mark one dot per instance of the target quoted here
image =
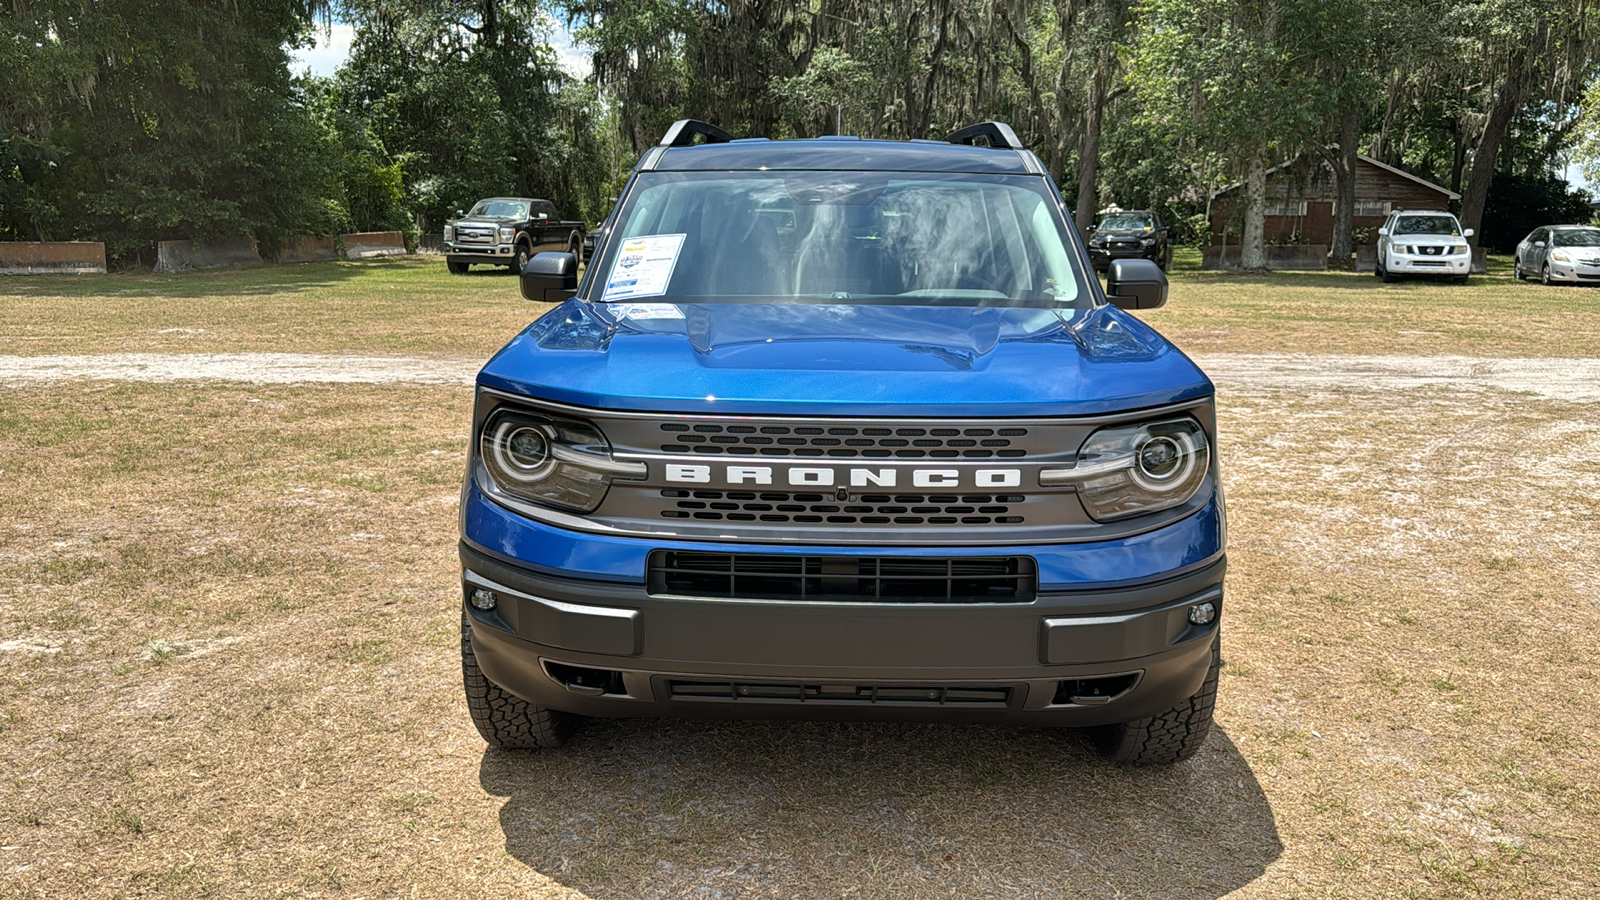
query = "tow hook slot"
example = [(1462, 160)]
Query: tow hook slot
[(586, 681), (1092, 691)]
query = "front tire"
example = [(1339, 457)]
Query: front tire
[(507, 721), (575, 247), (457, 268), (1387, 276), (1544, 275), (1169, 737), (520, 261)]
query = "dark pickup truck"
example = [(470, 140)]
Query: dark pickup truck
[(508, 231)]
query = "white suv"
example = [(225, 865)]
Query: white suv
[(1423, 242)]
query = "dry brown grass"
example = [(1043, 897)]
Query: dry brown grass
[(396, 306), (227, 668)]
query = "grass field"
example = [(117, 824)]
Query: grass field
[(228, 626)]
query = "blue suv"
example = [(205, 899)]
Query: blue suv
[(845, 429)]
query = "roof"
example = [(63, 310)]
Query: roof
[(1449, 194), (844, 154)]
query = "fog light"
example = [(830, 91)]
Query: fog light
[(1202, 613), (487, 600)]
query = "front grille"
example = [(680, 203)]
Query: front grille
[(1124, 245), (861, 579), (1431, 251), (475, 237), (841, 442), (849, 694), (778, 507)]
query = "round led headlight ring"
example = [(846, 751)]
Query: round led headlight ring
[(1161, 462), (522, 450)]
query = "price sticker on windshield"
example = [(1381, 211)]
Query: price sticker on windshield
[(644, 266)]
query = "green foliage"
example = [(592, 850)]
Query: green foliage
[(1518, 204)]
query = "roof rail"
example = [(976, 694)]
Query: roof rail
[(682, 133), (999, 135)]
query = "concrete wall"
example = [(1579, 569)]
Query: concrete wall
[(308, 249), (52, 258), (176, 256), (1367, 258), (1299, 257), (372, 244)]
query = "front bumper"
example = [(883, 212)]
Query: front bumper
[(1083, 657), (470, 253), (1574, 271), (1409, 264), (1101, 257)]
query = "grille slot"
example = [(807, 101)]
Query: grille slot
[(778, 508), (848, 694), (861, 579), (841, 442)]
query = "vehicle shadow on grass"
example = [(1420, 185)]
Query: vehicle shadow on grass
[(641, 808)]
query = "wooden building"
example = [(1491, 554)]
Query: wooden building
[(1301, 195)]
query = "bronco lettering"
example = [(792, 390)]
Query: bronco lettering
[(825, 477)]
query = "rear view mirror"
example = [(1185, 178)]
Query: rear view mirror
[(550, 277), (1136, 284)]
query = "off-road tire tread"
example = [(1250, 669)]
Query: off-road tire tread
[(504, 719), (1172, 736)]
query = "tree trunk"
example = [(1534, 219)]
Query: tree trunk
[(1494, 131), (1344, 171), (1252, 246), (1089, 156)]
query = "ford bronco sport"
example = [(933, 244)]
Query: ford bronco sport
[(840, 428)]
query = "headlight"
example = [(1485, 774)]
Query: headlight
[(550, 460), (507, 235), (1459, 249), (1129, 470), (1148, 242), (1561, 256), (1398, 248)]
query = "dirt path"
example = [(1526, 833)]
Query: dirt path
[(1557, 379)]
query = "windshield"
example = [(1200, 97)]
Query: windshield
[(500, 209), (1126, 222), (1576, 237), (839, 237), (1427, 225)]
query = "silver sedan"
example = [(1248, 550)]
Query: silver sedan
[(1560, 253)]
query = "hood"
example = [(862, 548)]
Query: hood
[(1125, 232), (484, 220), (1429, 240), (813, 359)]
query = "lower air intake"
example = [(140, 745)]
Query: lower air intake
[(858, 579)]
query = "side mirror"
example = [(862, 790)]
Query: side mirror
[(460, 213), (544, 215), (550, 277), (1538, 243), (1136, 284), (1092, 229), (1466, 232), (1383, 230)]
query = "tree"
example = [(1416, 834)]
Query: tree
[(1232, 78)]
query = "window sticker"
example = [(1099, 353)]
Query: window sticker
[(646, 311), (644, 266)]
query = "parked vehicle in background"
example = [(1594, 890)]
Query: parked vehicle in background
[(1423, 242), (843, 429), (1569, 253), (1130, 234), (508, 231)]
